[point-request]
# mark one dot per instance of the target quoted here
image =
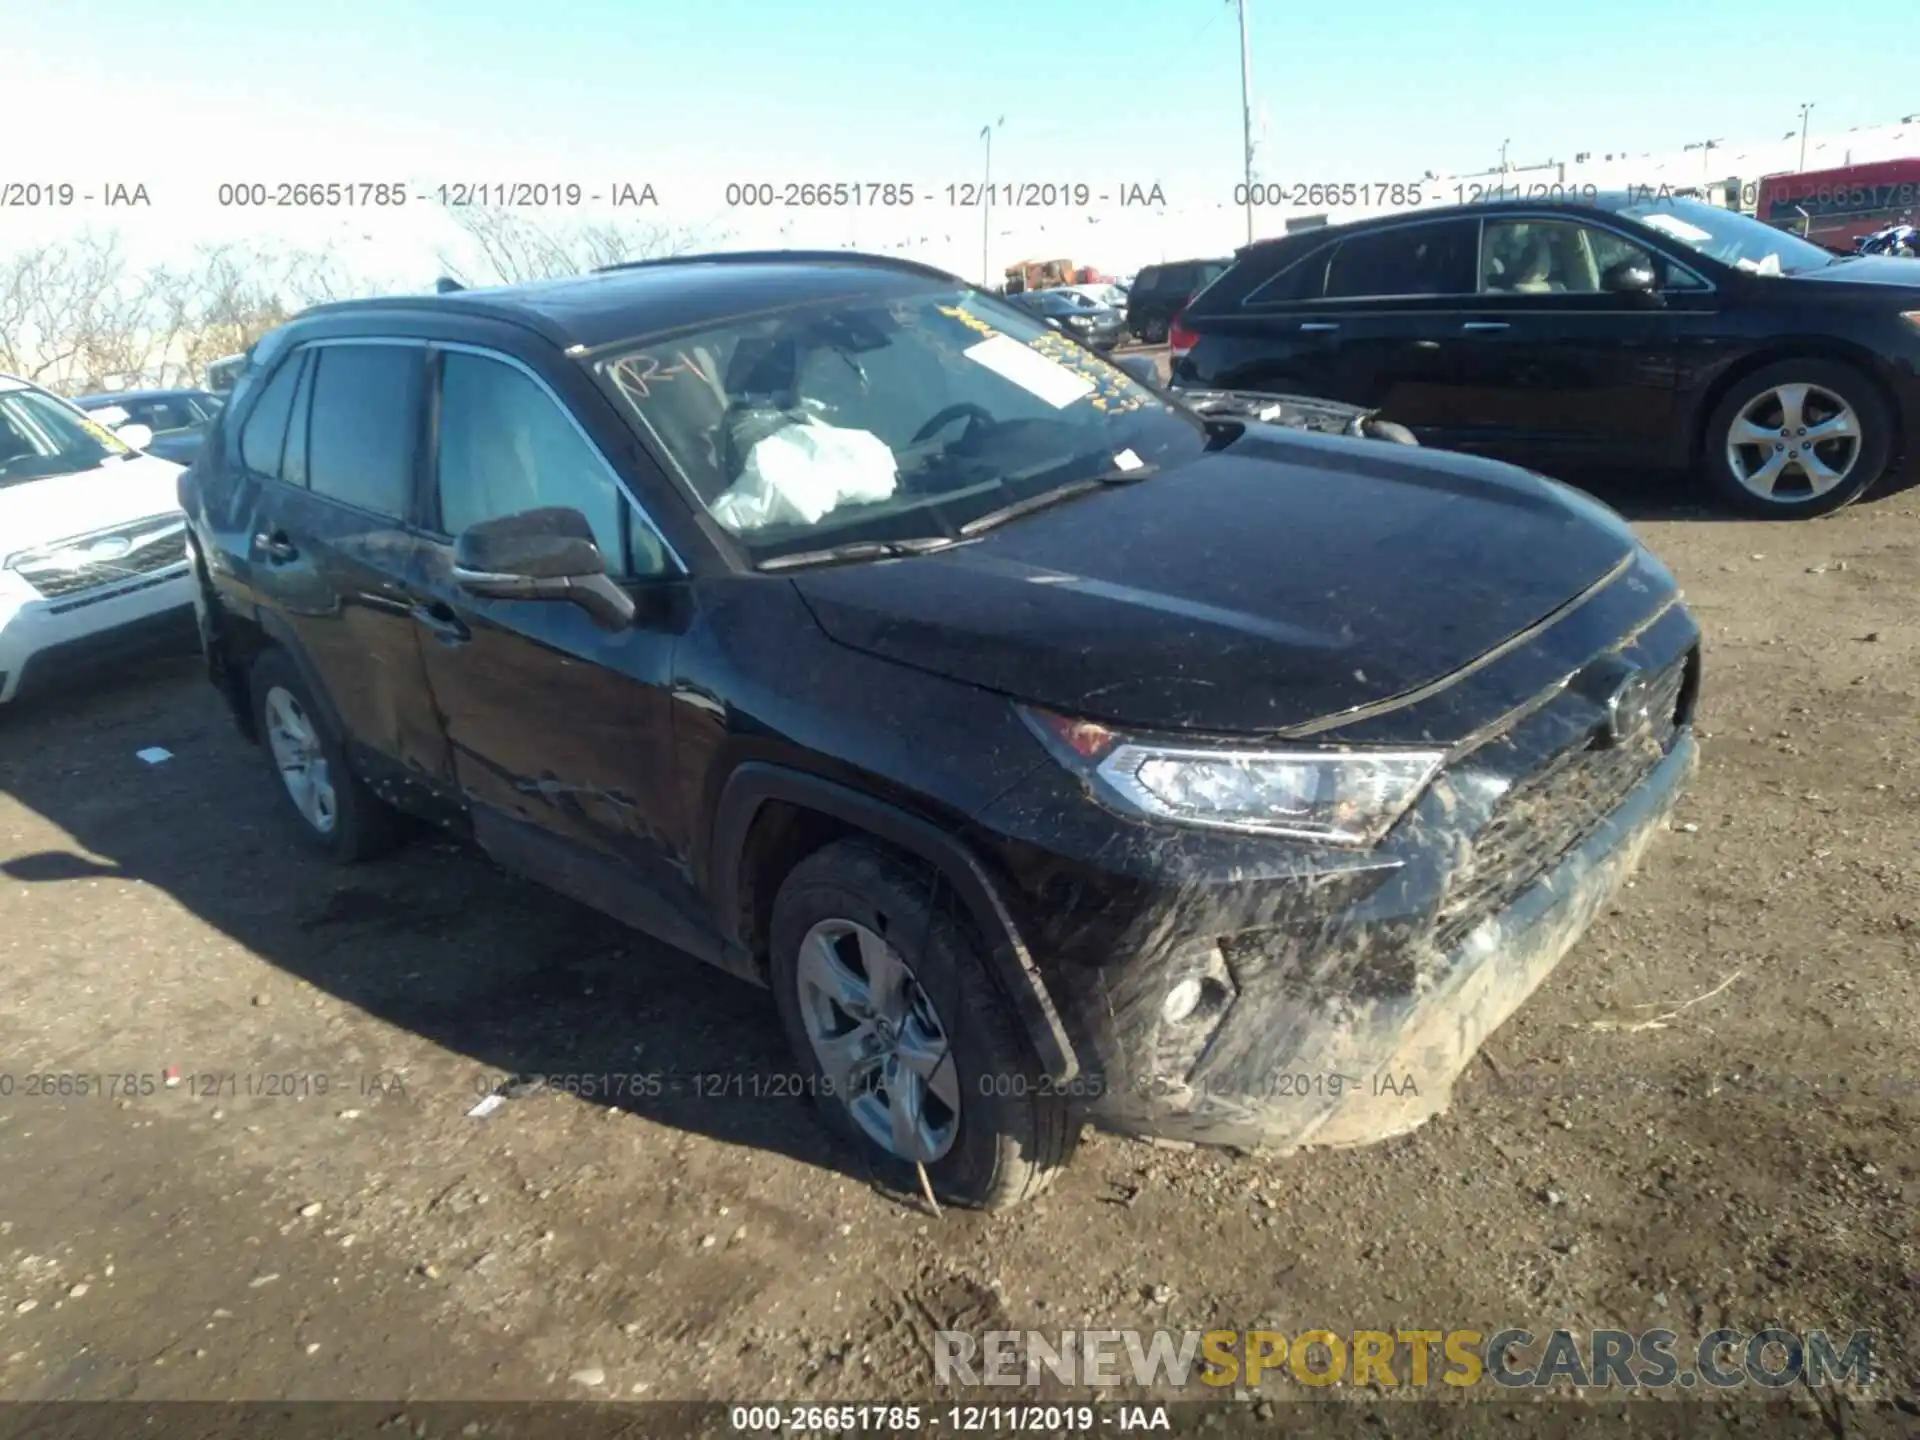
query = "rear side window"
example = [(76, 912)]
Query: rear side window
[(1304, 279), (363, 431), (1435, 259), (264, 435)]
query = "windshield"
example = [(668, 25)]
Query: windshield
[(889, 419), (1729, 237), (41, 437)]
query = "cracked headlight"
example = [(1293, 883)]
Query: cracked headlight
[(1335, 797)]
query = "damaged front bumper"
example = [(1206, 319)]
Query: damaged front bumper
[(1353, 1073), (1236, 990)]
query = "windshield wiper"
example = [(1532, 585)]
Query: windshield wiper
[(857, 550), (1045, 498)]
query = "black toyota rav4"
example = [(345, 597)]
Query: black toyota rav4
[(1051, 750)]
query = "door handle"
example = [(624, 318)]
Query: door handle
[(439, 617), (276, 547), (1318, 327), (1480, 327)]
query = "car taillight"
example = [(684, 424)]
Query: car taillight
[(1179, 337)]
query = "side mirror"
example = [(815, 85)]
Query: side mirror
[(1143, 368), (1630, 277), (135, 434), (546, 554)]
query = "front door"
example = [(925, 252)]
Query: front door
[(561, 731), (1553, 367)]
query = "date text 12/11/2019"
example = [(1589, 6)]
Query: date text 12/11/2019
[(966, 195)]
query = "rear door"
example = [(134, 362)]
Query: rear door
[(1394, 295), (1356, 317), (332, 453), (1554, 368)]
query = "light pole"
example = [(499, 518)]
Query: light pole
[(1246, 116), (986, 204), (1503, 155), (1805, 111)]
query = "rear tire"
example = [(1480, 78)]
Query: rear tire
[(1767, 432), (989, 1128), (330, 806), (1156, 332)]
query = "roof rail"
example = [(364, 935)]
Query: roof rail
[(765, 257), (437, 304)]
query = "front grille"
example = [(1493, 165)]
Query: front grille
[(107, 558), (1552, 810)]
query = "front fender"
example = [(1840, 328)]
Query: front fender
[(756, 783)]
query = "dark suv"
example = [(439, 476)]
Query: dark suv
[(1052, 751), (1160, 292)]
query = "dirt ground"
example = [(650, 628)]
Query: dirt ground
[(1627, 1155)]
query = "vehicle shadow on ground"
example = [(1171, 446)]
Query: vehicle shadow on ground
[(434, 938)]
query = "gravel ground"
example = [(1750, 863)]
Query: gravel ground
[(1705, 1118)]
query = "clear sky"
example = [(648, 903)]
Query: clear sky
[(190, 93)]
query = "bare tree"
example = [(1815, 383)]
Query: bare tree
[(76, 317), (506, 247), (71, 313)]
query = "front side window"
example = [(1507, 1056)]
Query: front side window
[(877, 418), (363, 432), (40, 438), (1431, 259), (1553, 257), (506, 447)]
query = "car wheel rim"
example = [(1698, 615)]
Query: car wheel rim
[(1793, 443), (880, 1043), (303, 764)]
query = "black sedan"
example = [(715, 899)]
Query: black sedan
[(1095, 325), (1634, 331)]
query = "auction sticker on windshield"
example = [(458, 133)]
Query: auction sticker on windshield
[(1031, 371)]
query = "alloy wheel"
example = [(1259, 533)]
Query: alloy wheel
[(295, 745), (1793, 443), (884, 1049)]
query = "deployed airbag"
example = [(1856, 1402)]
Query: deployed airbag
[(800, 473)]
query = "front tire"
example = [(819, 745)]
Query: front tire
[(1797, 439), (913, 1052), (331, 807)]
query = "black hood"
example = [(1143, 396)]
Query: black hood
[(1284, 579), (1873, 270)]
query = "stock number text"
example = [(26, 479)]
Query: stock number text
[(317, 194)]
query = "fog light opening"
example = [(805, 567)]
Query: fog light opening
[(1198, 997)]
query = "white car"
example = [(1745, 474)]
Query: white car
[(93, 557)]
